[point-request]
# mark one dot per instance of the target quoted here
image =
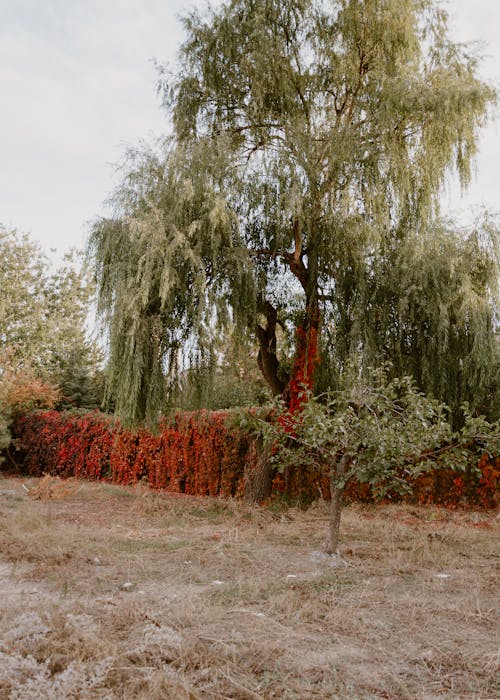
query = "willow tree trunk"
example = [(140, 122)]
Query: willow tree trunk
[(258, 473), (306, 360), (293, 386)]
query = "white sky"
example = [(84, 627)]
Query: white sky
[(77, 85)]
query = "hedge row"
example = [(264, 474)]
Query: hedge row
[(199, 454), (196, 453)]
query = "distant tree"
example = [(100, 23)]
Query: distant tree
[(223, 376), (43, 312), (23, 299), (80, 379), (306, 133)]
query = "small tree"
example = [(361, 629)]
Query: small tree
[(383, 434)]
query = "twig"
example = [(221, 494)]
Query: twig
[(11, 459), (241, 688), (213, 640)]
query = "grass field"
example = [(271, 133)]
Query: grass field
[(110, 592)]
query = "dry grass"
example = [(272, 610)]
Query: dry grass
[(110, 592)]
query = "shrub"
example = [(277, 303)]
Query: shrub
[(21, 391)]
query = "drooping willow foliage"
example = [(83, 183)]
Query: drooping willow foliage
[(171, 275), (311, 142), (443, 330), (427, 305)]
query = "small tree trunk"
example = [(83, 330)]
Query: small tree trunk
[(11, 459), (337, 471), (335, 512)]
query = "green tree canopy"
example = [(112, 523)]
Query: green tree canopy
[(307, 134)]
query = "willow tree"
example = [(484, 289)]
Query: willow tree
[(431, 312), (304, 131)]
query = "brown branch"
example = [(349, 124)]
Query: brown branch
[(267, 251), (297, 239), (262, 125), (294, 259), (362, 71), (11, 459), (296, 82), (267, 358)]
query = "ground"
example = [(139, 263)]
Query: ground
[(111, 592)]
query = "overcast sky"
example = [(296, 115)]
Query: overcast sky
[(77, 84)]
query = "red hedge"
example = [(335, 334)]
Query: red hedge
[(197, 453)]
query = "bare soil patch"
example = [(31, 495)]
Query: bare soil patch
[(111, 592)]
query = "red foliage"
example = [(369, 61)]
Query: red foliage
[(197, 453), (489, 470), (306, 361), (301, 381)]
